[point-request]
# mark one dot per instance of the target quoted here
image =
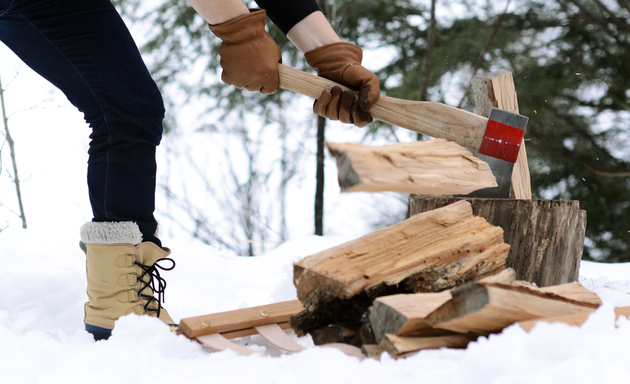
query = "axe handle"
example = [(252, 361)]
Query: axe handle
[(426, 117)]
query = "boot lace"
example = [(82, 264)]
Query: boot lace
[(155, 282)]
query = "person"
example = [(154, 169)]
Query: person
[(84, 49)]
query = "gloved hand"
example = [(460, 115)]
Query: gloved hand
[(249, 56), (341, 62)]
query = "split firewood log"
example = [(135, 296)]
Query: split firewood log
[(574, 291), (571, 319), (405, 314), (486, 308), (430, 252), (435, 167)]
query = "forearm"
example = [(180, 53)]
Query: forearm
[(312, 32), (216, 12)]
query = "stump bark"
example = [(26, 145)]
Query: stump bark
[(546, 237)]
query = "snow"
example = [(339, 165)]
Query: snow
[(42, 292), (42, 285)]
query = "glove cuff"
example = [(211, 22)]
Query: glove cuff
[(328, 57), (242, 28)]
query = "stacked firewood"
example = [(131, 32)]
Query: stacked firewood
[(405, 324), (437, 279)]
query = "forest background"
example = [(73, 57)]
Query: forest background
[(243, 171)]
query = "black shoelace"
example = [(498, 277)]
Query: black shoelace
[(156, 283)]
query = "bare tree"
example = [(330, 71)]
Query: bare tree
[(9, 140)]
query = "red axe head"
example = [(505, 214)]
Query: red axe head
[(499, 148)]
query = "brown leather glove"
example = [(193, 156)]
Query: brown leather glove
[(341, 62), (249, 56)]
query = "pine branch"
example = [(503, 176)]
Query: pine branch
[(609, 174)]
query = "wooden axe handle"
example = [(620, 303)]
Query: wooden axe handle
[(426, 117)]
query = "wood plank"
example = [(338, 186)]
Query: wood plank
[(251, 331), (276, 336), (435, 167), (546, 237), (497, 90), (429, 118), (219, 343), (401, 346), (572, 319), (486, 308), (240, 319), (431, 252)]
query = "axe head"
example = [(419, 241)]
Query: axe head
[(499, 148)]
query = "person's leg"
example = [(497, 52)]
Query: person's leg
[(84, 48)]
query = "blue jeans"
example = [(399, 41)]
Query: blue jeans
[(84, 49)]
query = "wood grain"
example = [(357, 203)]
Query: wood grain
[(485, 308), (574, 291), (241, 319), (576, 319), (435, 167), (405, 314)]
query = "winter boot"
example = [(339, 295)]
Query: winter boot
[(122, 275)]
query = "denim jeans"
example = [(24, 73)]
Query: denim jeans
[(84, 49)]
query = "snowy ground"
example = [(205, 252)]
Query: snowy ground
[(42, 285)]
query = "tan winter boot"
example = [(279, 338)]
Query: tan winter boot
[(122, 277)]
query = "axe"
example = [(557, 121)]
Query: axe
[(496, 139)]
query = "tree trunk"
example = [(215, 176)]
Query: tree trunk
[(425, 70), (319, 188)]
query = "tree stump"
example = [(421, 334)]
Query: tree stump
[(546, 237)]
